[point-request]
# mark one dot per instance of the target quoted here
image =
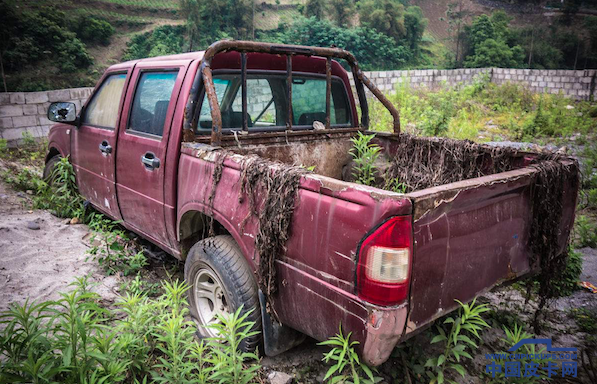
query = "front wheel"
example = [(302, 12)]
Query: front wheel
[(221, 281), (49, 169)]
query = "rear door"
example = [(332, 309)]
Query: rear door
[(94, 143), (142, 143)]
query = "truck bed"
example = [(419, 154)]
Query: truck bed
[(469, 235)]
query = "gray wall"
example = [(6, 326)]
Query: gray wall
[(20, 112), (27, 111)]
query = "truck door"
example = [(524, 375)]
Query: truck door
[(142, 142), (93, 145)]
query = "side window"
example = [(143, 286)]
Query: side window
[(152, 97), (102, 110)]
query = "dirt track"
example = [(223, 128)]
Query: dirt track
[(40, 263)]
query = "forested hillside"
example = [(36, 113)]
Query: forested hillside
[(65, 43)]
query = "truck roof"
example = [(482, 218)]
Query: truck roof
[(255, 61)]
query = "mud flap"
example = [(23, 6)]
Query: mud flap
[(277, 338)]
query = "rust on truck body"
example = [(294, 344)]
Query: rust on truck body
[(467, 236)]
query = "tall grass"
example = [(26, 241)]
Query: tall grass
[(485, 111), (75, 340)]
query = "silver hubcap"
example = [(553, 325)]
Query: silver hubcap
[(209, 299)]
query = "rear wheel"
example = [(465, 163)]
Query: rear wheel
[(221, 281)]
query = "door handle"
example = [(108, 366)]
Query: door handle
[(105, 148), (150, 161)]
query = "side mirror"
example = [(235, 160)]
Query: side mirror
[(62, 112)]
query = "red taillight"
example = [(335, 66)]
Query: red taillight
[(383, 269)]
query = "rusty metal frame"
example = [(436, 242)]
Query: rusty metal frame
[(205, 78)]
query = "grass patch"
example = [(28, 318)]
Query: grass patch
[(75, 340), (484, 111)]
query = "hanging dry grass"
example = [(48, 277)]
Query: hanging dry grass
[(424, 162)]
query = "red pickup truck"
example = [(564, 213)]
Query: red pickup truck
[(194, 151)]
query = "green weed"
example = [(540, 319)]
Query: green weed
[(513, 336), (587, 232), (457, 341), (346, 368), (74, 340), (467, 111), (364, 154), (227, 362)]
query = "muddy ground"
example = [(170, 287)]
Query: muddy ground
[(40, 255)]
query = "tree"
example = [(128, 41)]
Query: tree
[(341, 12), (414, 24), (390, 17), (373, 50), (495, 53), (490, 42), (456, 16), (210, 20), (315, 8), (385, 16)]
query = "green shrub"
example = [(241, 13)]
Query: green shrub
[(513, 336), (364, 155), (164, 40), (74, 340), (587, 232), (567, 282), (31, 43), (93, 30), (456, 341), (346, 366)]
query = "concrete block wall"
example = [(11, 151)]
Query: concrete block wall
[(20, 112), (27, 111), (576, 84)]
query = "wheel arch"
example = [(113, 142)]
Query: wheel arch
[(53, 151), (194, 223)]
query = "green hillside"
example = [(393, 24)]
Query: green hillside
[(384, 34)]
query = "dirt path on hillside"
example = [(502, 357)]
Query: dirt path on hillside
[(40, 255)]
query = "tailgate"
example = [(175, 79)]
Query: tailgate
[(470, 236)]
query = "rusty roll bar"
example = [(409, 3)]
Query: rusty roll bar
[(205, 77)]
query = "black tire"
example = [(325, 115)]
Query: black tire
[(49, 168), (222, 257)]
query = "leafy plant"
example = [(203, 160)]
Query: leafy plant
[(395, 185), (587, 232), (364, 154), (513, 336), (346, 368), (227, 360), (62, 194), (457, 341)]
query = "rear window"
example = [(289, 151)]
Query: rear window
[(267, 102)]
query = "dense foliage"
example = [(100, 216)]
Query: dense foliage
[(42, 36), (24, 39), (484, 111), (211, 20), (372, 49), (491, 41), (164, 40)]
